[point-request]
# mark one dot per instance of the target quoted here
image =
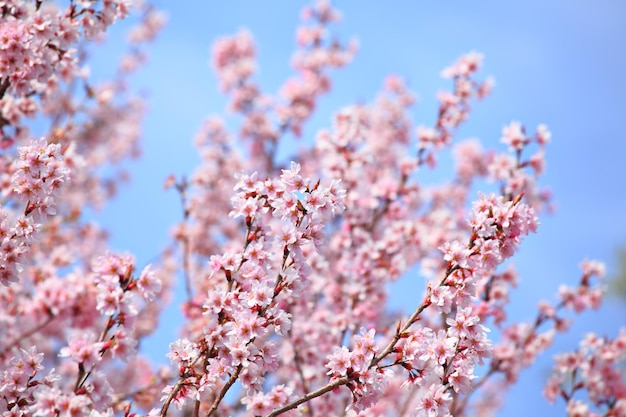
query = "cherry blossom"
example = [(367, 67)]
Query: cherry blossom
[(286, 261)]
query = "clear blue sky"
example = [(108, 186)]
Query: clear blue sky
[(559, 63)]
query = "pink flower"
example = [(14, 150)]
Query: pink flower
[(339, 361), (456, 254), (514, 136), (83, 349), (183, 352), (465, 66), (434, 402), (148, 283)]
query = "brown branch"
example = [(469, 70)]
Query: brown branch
[(224, 390), (82, 375), (168, 401), (182, 191), (4, 86), (411, 320), (297, 359), (309, 396)]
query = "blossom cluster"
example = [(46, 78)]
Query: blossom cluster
[(38, 50), (59, 354), (345, 276), (35, 178), (286, 262), (595, 368), (522, 343), (42, 67), (454, 105), (366, 384), (253, 287), (18, 383), (266, 118), (497, 227)]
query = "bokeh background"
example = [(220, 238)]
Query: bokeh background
[(560, 63)]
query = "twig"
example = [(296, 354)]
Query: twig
[(168, 401), (224, 390), (309, 396), (30, 332)]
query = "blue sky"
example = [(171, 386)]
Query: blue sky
[(559, 63)]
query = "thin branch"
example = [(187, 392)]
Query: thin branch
[(30, 332), (224, 390), (297, 360), (182, 192), (308, 397), (82, 375), (170, 398)]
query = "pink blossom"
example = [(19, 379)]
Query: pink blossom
[(285, 266), (514, 136), (183, 352), (148, 283), (339, 362), (83, 349)]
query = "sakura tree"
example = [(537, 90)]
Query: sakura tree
[(285, 264)]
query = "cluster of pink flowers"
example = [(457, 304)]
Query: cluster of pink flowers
[(454, 106), (316, 54), (35, 178), (39, 172), (60, 355), (40, 70), (366, 384), (497, 227), (18, 383), (38, 50), (522, 343), (89, 351), (286, 265), (252, 286), (596, 367), (266, 118)]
